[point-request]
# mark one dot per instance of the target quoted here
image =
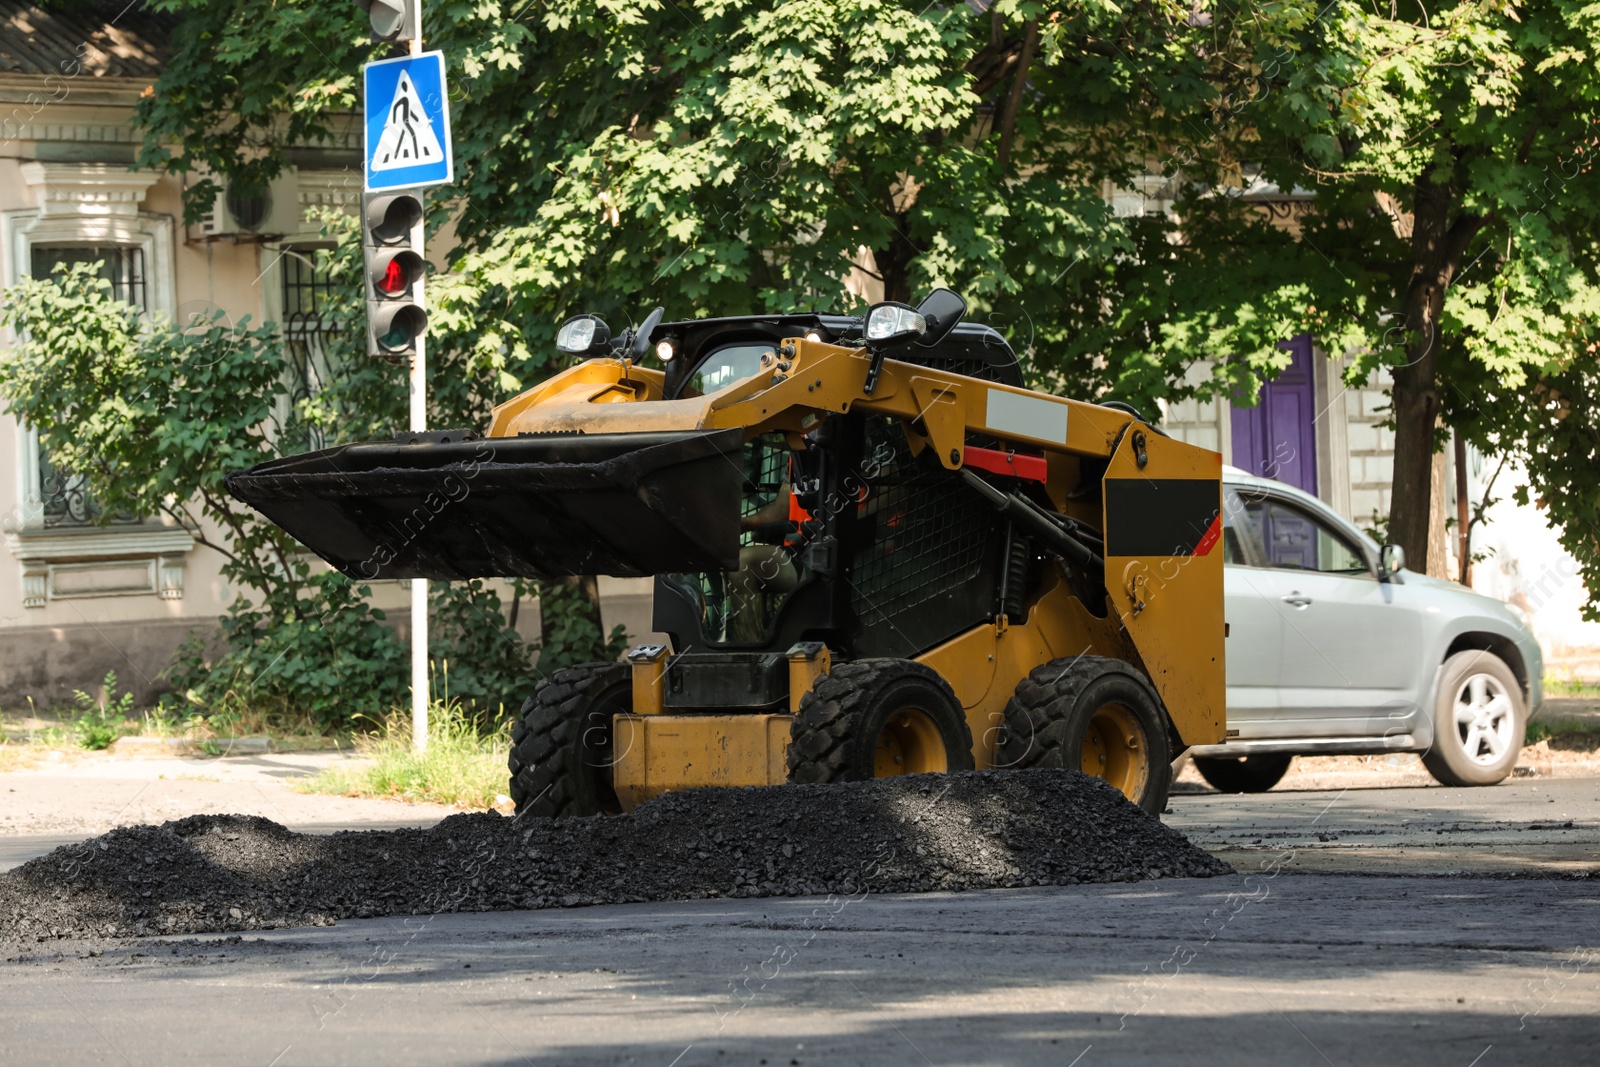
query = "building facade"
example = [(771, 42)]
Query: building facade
[(82, 592)]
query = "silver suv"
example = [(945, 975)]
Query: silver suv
[(1335, 648)]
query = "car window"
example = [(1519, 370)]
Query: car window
[(1290, 539), (725, 366), (1241, 539)]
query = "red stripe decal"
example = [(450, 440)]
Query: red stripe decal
[(1034, 468), (1212, 535)]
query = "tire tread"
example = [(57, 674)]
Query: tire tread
[(543, 750)]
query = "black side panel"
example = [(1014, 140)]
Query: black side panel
[(1161, 516), (621, 504)]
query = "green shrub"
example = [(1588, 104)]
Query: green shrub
[(98, 723), (153, 415)]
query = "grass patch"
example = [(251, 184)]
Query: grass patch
[(1570, 687), (462, 766), (1566, 734)]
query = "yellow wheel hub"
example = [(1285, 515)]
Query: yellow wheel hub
[(1114, 748), (909, 743)]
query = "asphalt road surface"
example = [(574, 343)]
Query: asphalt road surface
[(1280, 963), (1283, 963)]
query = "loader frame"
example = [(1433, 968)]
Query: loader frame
[(1155, 501)]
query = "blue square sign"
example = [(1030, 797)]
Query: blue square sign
[(407, 123)]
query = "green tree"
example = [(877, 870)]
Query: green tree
[(717, 160), (153, 417), (1451, 235), (737, 156)]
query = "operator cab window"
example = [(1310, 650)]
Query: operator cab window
[(1283, 537), (725, 366)]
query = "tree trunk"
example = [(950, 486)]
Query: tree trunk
[(894, 262), (1438, 564), (1437, 245), (1019, 86), (589, 586)]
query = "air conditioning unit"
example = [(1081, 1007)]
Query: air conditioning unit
[(243, 213)]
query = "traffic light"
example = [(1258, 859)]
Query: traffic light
[(395, 21), (392, 237)]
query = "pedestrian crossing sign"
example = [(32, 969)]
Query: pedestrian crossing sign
[(407, 123)]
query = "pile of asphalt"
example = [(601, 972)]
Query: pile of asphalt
[(981, 830)]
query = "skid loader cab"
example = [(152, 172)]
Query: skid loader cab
[(879, 554), (871, 555)]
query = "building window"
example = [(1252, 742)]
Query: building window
[(65, 498), (121, 265), (309, 331)]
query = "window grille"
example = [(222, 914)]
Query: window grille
[(930, 534), (309, 330)]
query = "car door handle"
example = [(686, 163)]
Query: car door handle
[(1299, 600)]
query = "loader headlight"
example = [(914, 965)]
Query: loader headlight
[(665, 350), (583, 335), (892, 322)]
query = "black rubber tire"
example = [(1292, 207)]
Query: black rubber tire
[(834, 736), (1047, 719), (1243, 774), (1447, 759), (561, 752)]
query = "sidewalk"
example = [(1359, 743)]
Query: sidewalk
[(87, 793)]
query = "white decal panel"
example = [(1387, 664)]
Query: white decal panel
[(1026, 416)]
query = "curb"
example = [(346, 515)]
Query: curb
[(183, 746)]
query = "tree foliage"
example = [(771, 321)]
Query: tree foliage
[(735, 156), (1451, 237)]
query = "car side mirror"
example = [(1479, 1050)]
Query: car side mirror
[(1391, 558)]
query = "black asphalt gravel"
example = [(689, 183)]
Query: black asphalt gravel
[(982, 830)]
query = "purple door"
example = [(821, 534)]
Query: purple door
[(1277, 438)]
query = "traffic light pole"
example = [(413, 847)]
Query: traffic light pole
[(419, 421), (419, 586), (409, 138)]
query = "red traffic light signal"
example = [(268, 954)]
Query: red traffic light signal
[(394, 272), (393, 240), (394, 281)]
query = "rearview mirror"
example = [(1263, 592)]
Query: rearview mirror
[(941, 310), (1391, 558), (641, 340)]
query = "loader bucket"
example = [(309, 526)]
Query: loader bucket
[(629, 505)]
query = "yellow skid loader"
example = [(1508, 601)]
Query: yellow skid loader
[(875, 552)]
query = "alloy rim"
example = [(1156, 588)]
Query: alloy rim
[(1485, 719)]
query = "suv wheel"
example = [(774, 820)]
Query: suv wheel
[(1478, 721), (1243, 774)]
